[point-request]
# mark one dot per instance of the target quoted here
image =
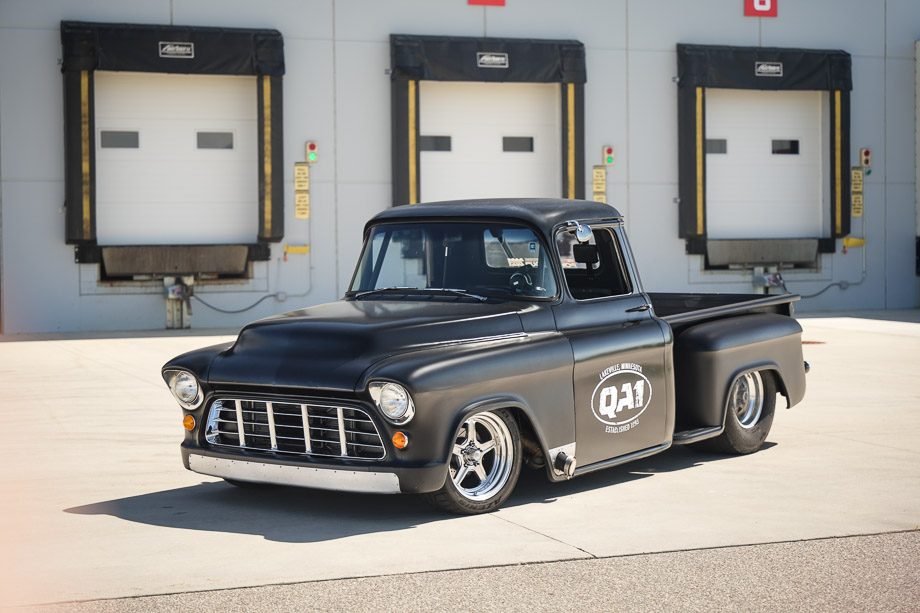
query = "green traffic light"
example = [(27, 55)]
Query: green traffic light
[(312, 156), (610, 160)]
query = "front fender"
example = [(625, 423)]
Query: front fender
[(198, 362), (532, 374)]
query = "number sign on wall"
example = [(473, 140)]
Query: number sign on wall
[(760, 8)]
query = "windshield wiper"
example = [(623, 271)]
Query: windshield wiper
[(456, 292), (380, 290), (413, 290)]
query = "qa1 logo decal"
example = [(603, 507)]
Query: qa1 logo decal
[(621, 397)]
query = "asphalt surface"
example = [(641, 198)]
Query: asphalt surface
[(863, 573), (98, 513)]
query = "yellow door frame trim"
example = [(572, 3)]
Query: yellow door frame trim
[(84, 147), (267, 145), (570, 139), (700, 179), (413, 167)]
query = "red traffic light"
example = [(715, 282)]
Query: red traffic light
[(312, 151), (608, 155)]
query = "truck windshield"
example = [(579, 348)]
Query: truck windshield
[(485, 260)]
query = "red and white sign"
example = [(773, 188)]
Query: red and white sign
[(487, 2), (760, 8)]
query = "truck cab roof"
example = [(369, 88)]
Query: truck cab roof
[(544, 213)]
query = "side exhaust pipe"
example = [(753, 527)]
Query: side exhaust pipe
[(565, 464)]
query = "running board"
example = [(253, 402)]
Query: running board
[(623, 459), (700, 434)]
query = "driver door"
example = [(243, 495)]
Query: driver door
[(619, 349)]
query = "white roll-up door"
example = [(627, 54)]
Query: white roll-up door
[(485, 140), (764, 164), (175, 159)]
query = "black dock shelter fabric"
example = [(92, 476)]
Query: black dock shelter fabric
[(736, 68), (760, 68), (88, 47), (146, 48), (459, 58)]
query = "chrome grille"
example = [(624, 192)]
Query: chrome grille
[(293, 428)]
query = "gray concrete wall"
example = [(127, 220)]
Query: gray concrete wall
[(336, 91)]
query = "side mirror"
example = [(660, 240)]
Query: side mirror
[(582, 233)]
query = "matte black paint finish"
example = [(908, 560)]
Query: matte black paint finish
[(541, 359), (713, 354), (329, 346), (541, 214), (605, 336)]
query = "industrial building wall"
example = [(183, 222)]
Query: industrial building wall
[(337, 93)]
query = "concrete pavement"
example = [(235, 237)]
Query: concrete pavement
[(97, 504)]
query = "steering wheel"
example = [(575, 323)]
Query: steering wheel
[(521, 282)]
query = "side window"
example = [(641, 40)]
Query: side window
[(594, 269)]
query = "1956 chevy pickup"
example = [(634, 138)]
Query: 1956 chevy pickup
[(477, 337)]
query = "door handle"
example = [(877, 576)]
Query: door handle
[(641, 307)]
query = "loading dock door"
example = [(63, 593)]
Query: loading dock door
[(176, 159), (764, 164), (489, 140)]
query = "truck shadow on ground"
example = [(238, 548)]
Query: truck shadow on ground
[(533, 488), (297, 515)]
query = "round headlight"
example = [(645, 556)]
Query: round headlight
[(184, 386), (393, 400)]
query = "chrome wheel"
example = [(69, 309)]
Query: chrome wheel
[(750, 406), (482, 458), (746, 399)]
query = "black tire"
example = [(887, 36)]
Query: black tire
[(483, 466), (249, 485), (750, 409)]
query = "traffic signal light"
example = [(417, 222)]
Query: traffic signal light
[(608, 155), (865, 157), (312, 151)]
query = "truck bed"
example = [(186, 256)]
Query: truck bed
[(681, 309)]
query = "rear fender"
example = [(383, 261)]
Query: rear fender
[(710, 356)]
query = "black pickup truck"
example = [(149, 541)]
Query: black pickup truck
[(477, 337)]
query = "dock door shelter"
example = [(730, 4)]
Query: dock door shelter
[(173, 147), (486, 117), (763, 150)]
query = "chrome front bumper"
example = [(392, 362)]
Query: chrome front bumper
[(302, 476)]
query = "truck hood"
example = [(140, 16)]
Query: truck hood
[(330, 346)]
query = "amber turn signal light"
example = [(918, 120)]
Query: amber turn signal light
[(400, 440), (189, 423)]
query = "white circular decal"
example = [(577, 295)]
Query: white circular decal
[(621, 396)]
